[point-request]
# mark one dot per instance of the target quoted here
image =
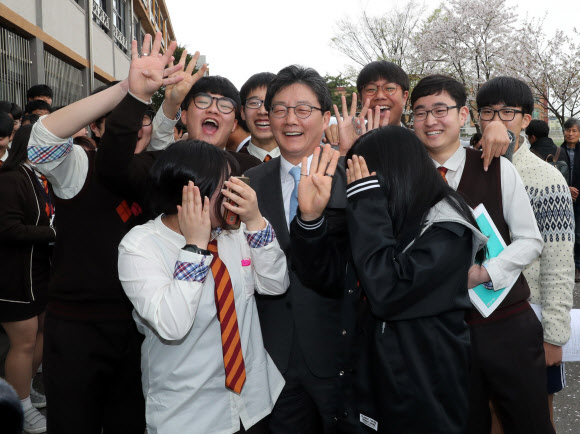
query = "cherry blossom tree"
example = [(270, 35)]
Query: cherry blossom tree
[(550, 66), (387, 37), (468, 40)]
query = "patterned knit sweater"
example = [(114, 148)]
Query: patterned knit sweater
[(551, 276)]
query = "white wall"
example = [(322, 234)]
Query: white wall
[(66, 22), (25, 8)]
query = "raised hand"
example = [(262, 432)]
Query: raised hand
[(315, 185), (357, 169), (246, 204), (193, 217), (148, 72), (176, 93)]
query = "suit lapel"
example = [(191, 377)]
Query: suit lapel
[(271, 202)]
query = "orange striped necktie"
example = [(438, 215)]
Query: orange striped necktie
[(443, 171), (226, 309), (267, 158)]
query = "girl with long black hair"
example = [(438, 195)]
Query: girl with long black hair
[(411, 240)]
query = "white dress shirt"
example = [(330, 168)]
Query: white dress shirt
[(4, 157), (242, 143), (181, 357), (287, 182), (261, 153), (527, 241)]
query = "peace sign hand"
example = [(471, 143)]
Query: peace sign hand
[(315, 185), (348, 130), (148, 71)]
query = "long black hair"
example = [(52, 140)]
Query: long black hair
[(408, 178), (18, 152), (188, 160)]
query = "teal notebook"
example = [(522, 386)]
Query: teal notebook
[(487, 300)]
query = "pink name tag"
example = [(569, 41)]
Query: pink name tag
[(246, 262)]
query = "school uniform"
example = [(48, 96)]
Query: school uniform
[(508, 362)]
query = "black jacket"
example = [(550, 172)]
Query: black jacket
[(412, 350), (574, 174), (545, 147), (25, 234), (315, 320)]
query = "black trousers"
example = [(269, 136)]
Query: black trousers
[(307, 404), (509, 368), (92, 377)]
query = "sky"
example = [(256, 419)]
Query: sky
[(242, 37)]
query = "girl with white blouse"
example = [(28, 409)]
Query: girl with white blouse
[(165, 268)]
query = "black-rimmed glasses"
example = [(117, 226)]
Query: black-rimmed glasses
[(437, 112), (148, 118), (505, 114), (224, 104), (254, 103), (372, 89), (301, 110)]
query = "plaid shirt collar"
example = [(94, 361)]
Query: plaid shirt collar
[(216, 232)]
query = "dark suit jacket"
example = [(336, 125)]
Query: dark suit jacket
[(575, 177), (301, 313)]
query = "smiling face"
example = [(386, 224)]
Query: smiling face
[(209, 125), (395, 103), (440, 135), (258, 121), (297, 137)]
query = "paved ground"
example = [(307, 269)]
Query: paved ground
[(566, 403)]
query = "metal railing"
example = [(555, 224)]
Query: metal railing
[(120, 38), (15, 67), (101, 15), (65, 80)]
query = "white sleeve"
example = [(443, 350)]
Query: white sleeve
[(526, 240), (168, 301), (162, 135), (64, 164), (268, 260)]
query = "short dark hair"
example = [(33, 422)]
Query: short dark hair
[(19, 148), (30, 118), (213, 84), (261, 79), (11, 108), (188, 160), (538, 128), (437, 83), (572, 122), (6, 125), (37, 104), (294, 74), (381, 69), (508, 90), (180, 126), (39, 90)]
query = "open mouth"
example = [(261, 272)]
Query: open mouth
[(293, 134), (210, 126), (434, 133)]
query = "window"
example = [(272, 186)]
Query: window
[(119, 17), (100, 14)]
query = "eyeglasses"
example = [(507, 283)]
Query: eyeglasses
[(372, 89), (148, 118), (437, 112), (505, 114), (254, 103), (302, 110), (204, 100)]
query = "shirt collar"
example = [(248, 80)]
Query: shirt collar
[(454, 162), (5, 156), (285, 167), (261, 153)]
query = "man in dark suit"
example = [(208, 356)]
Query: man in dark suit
[(304, 332), (572, 158)]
